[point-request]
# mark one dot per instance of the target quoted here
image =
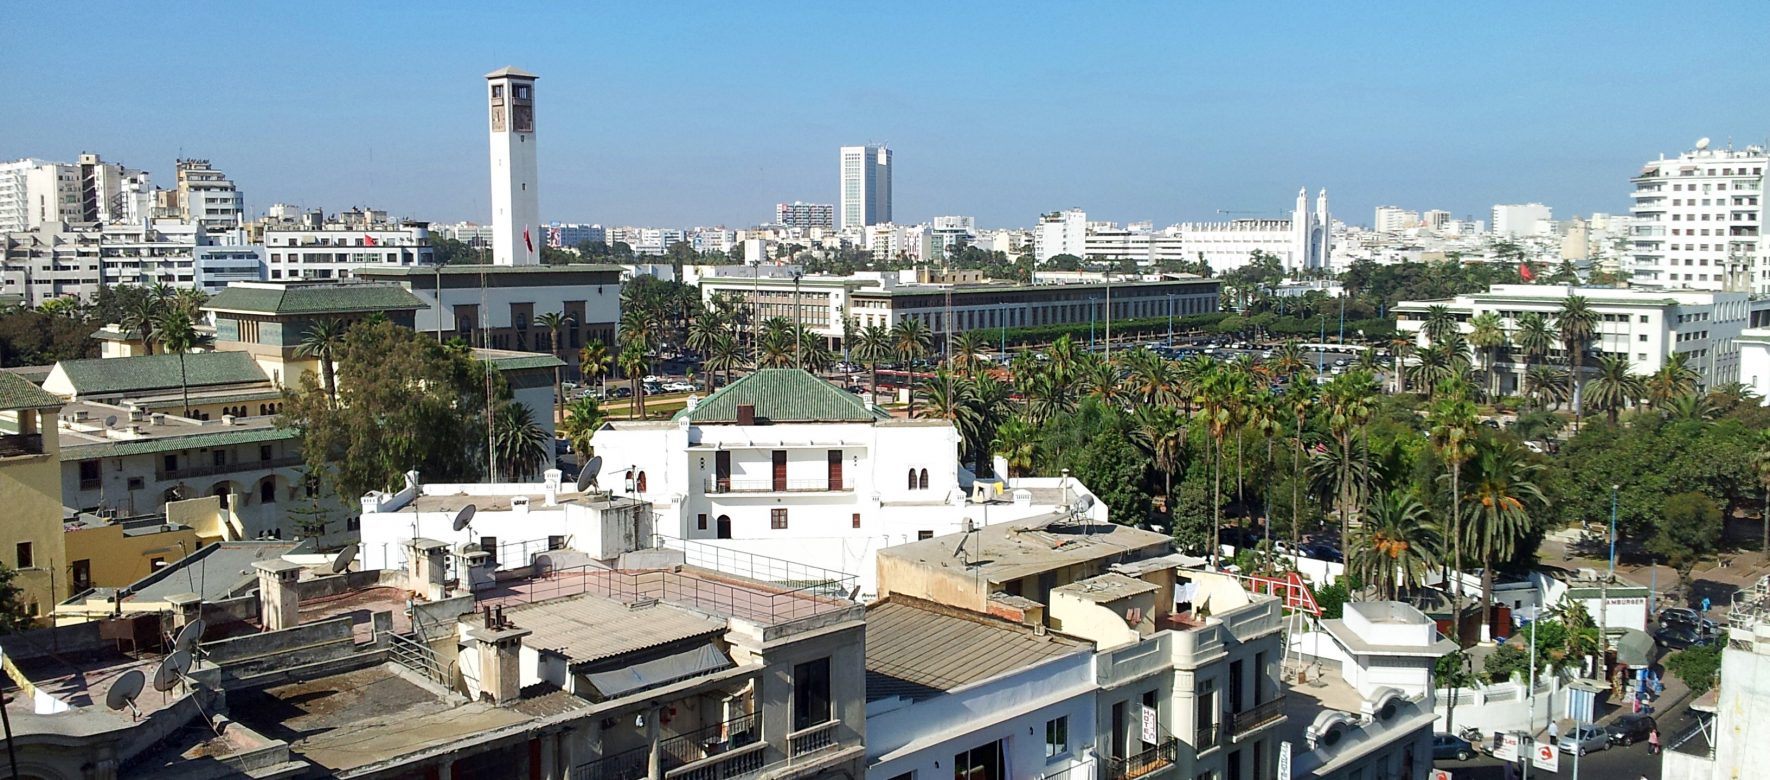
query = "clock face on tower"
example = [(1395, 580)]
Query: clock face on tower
[(497, 118)]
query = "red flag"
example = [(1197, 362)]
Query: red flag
[(369, 240), (525, 239), (1525, 273)]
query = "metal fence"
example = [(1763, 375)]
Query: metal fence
[(762, 568)]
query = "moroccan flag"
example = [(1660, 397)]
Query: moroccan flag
[(369, 240), (525, 239), (1525, 273)]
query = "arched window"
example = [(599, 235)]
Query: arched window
[(912, 479), (924, 480), (222, 491), (640, 482), (267, 490)]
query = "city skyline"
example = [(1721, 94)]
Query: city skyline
[(679, 136)]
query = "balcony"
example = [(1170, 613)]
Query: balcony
[(13, 445), (807, 741), (1258, 716), (732, 748), (725, 486), (1144, 764)]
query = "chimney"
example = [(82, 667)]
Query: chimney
[(425, 567), (693, 402), (746, 414), (186, 607), (279, 599), (550, 479), (500, 662)]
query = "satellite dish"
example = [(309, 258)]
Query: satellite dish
[(1083, 504), (465, 516), (1702, 143), (341, 562), (110, 422), (125, 689), (587, 475), (189, 636), (171, 670)]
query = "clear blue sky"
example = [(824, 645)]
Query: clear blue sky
[(683, 113)]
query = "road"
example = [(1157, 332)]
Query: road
[(1617, 763)]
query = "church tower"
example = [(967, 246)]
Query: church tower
[(516, 211), (1326, 226)]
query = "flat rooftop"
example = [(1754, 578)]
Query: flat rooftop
[(349, 720), (1010, 551), (453, 502), (215, 572), (590, 627), (918, 653), (92, 438), (701, 590)]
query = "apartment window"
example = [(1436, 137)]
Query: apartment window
[(497, 90), (1641, 337), (777, 518), (25, 556), (856, 519), (82, 570), (156, 563), (264, 452), (1056, 737), (922, 535), (700, 522), (910, 775), (88, 474), (169, 462), (136, 483), (985, 762), (218, 457), (811, 694), (1205, 716)]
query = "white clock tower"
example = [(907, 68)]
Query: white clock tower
[(516, 211)]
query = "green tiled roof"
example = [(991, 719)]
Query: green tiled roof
[(783, 395), (523, 361), (72, 450), (476, 269), (17, 392), (142, 373), (300, 299)]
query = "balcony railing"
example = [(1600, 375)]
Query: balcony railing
[(1262, 714), (718, 485), (811, 740), (740, 762), (627, 765), (1143, 764), (13, 445), (231, 468), (691, 746), (1206, 737)]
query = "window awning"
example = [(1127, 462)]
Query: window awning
[(659, 671)]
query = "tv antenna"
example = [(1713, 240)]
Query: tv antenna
[(124, 691), (341, 561), (171, 671), (464, 518)]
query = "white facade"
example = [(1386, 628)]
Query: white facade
[(806, 215), (1061, 233), (207, 197), (15, 194), (865, 186), (60, 261), (333, 250), (1736, 724), (34, 193), (1645, 326), (1392, 219), (1699, 216), (516, 210), (1517, 220)]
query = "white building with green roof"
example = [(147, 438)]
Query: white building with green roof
[(784, 464)]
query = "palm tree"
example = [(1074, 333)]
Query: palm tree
[(1549, 386), (1452, 420), (593, 361), (725, 354), (178, 336), (1346, 400), (1162, 433), (1488, 334), (1016, 441), (909, 340), (1533, 338), (968, 351), (1673, 379), (1221, 396), (1502, 493), (632, 363), (1100, 378), (1151, 378), (873, 346), (553, 321), (1396, 545), (1693, 408), (706, 329), (1299, 401), (521, 446), (1761, 465), (321, 342), (1615, 386), (143, 318), (1437, 365), (1440, 323), (582, 418), (1576, 324), (1288, 360), (1401, 347)]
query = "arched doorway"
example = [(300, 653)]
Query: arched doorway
[(724, 526)]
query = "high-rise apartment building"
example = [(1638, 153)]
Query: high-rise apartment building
[(34, 193), (1392, 219), (206, 196), (807, 215), (1061, 233), (1516, 220), (516, 210), (866, 186), (1697, 220)]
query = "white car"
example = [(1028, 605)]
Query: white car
[(679, 387), (652, 379)]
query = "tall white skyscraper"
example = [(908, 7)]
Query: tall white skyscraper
[(516, 210), (866, 186), (1516, 220), (1698, 220)]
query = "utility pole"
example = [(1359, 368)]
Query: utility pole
[(798, 327), (1109, 312)]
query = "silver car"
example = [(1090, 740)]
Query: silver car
[(1584, 738)]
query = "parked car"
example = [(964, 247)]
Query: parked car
[(679, 387), (1584, 738), (1629, 729), (621, 392), (1676, 637), (1322, 551), (1688, 618), (1452, 747), (651, 379), (855, 389)]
